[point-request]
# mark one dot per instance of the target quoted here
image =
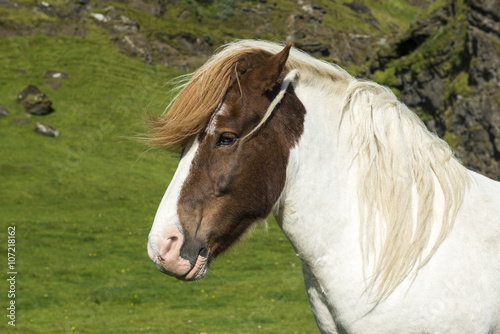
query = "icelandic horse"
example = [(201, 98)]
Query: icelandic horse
[(394, 234)]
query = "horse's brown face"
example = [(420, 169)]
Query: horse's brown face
[(234, 180)]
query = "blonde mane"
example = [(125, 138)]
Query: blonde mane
[(201, 92), (400, 163)]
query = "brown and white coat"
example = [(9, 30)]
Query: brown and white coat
[(395, 236)]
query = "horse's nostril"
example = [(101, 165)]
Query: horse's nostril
[(203, 252), (165, 247)]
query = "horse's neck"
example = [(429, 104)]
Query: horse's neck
[(318, 202), (318, 210), (319, 213)]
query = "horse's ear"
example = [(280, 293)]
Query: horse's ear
[(265, 76)]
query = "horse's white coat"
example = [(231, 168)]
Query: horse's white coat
[(457, 291)]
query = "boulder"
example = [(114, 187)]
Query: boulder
[(34, 101), (3, 111), (45, 130)]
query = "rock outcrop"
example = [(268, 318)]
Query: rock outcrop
[(447, 69)]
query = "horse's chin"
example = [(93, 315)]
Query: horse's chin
[(198, 271)]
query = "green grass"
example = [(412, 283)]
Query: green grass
[(83, 204)]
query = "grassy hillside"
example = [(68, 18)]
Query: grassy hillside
[(183, 33), (83, 204)]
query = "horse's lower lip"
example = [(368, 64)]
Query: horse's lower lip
[(198, 271)]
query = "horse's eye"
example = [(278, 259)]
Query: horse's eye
[(227, 138)]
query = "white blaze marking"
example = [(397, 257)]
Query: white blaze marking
[(166, 217), (222, 109)]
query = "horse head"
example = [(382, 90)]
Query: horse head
[(232, 172)]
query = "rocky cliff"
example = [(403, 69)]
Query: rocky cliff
[(447, 69)]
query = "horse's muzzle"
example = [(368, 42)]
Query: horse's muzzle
[(174, 257)]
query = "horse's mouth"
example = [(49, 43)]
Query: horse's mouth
[(194, 272), (198, 271)]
